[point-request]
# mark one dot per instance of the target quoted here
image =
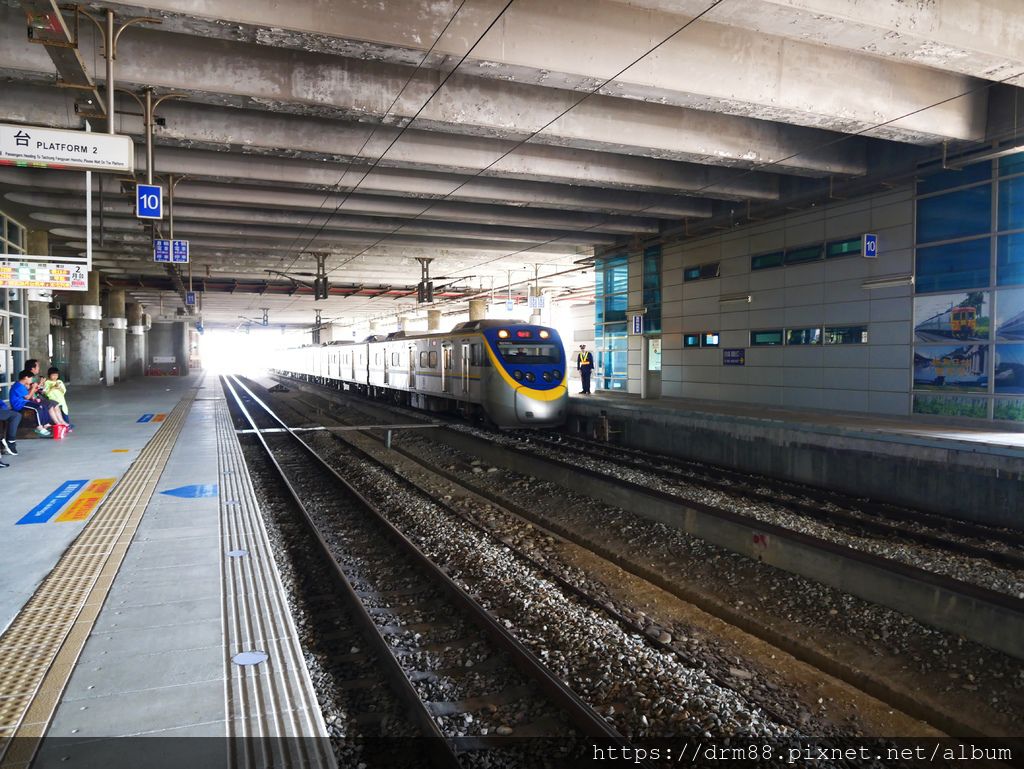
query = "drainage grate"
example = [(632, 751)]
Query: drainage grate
[(39, 649)]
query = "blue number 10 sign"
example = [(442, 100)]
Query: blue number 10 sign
[(149, 201)]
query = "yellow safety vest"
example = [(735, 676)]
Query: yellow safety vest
[(584, 358)]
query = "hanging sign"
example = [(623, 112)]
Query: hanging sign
[(57, 276), (161, 250), (179, 251), (33, 147)]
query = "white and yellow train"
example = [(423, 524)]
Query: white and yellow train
[(511, 373)]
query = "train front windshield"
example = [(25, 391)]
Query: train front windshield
[(518, 352)]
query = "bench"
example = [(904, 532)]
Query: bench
[(28, 424)]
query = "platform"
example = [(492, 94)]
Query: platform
[(965, 471), (138, 569)]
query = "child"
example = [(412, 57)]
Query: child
[(56, 390)]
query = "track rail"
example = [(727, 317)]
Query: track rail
[(744, 486), (445, 748)]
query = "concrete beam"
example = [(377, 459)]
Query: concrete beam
[(314, 217), (192, 221), (270, 197), (733, 65), (982, 38), (280, 137), (329, 86)]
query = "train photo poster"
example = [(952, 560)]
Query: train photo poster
[(963, 316), (1010, 315), (951, 367)]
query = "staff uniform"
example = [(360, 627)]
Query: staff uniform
[(585, 365)]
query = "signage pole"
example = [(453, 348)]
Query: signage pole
[(88, 213), (109, 46), (170, 204), (149, 135)]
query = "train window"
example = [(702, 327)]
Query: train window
[(394, 359), (474, 355), (423, 359), (846, 335), (765, 338), (433, 359), (376, 359), (803, 336), (518, 352)]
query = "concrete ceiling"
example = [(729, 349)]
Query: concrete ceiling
[(491, 138)]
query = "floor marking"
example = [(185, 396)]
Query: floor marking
[(193, 491), (45, 510), (119, 451), (145, 418), (159, 417), (87, 501)]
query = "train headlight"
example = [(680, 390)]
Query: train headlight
[(546, 376), (517, 374), (556, 374), (543, 334), (503, 334), (530, 376)]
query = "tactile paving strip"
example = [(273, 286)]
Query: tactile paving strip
[(274, 698), (39, 649)]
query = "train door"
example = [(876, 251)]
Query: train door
[(412, 367), (387, 366), (446, 368), (464, 368)]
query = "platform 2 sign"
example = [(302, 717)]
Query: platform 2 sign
[(734, 356), (33, 147), (55, 276)]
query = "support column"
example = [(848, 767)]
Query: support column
[(115, 328), (477, 309), (434, 320), (135, 342), (38, 242), (85, 336), (181, 347)]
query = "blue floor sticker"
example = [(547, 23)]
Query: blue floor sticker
[(46, 509), (194, 491), (144, 418)]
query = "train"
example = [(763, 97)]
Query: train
[(509, 374), (957, 322)]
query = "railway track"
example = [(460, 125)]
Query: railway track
[(1000, 546), (465, 679)]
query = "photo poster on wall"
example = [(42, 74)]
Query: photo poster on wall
[(1010, 315), (951, 367), (1009, 375), (963, 316)]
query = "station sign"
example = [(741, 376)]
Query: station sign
[(870, 245), (734, 356), (638, 324), (179, 251), (538, 302), (56, 276), (190, 298), (149, 201), (170, 251), (34, 147), (162, 250)]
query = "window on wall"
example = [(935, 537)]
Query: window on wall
[(709, 339), (702, 271), (803, 336), (652, 288), (691, 340), (764, 261), (957, 214), (848, 247), (846, 335), (766, 338), (969, 295), (804, 254)]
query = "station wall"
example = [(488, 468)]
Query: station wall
[(819, 305)]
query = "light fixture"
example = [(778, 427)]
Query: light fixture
[(889, 281), (992, 154), (735, 299)]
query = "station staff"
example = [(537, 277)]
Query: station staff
[(585, 365)]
